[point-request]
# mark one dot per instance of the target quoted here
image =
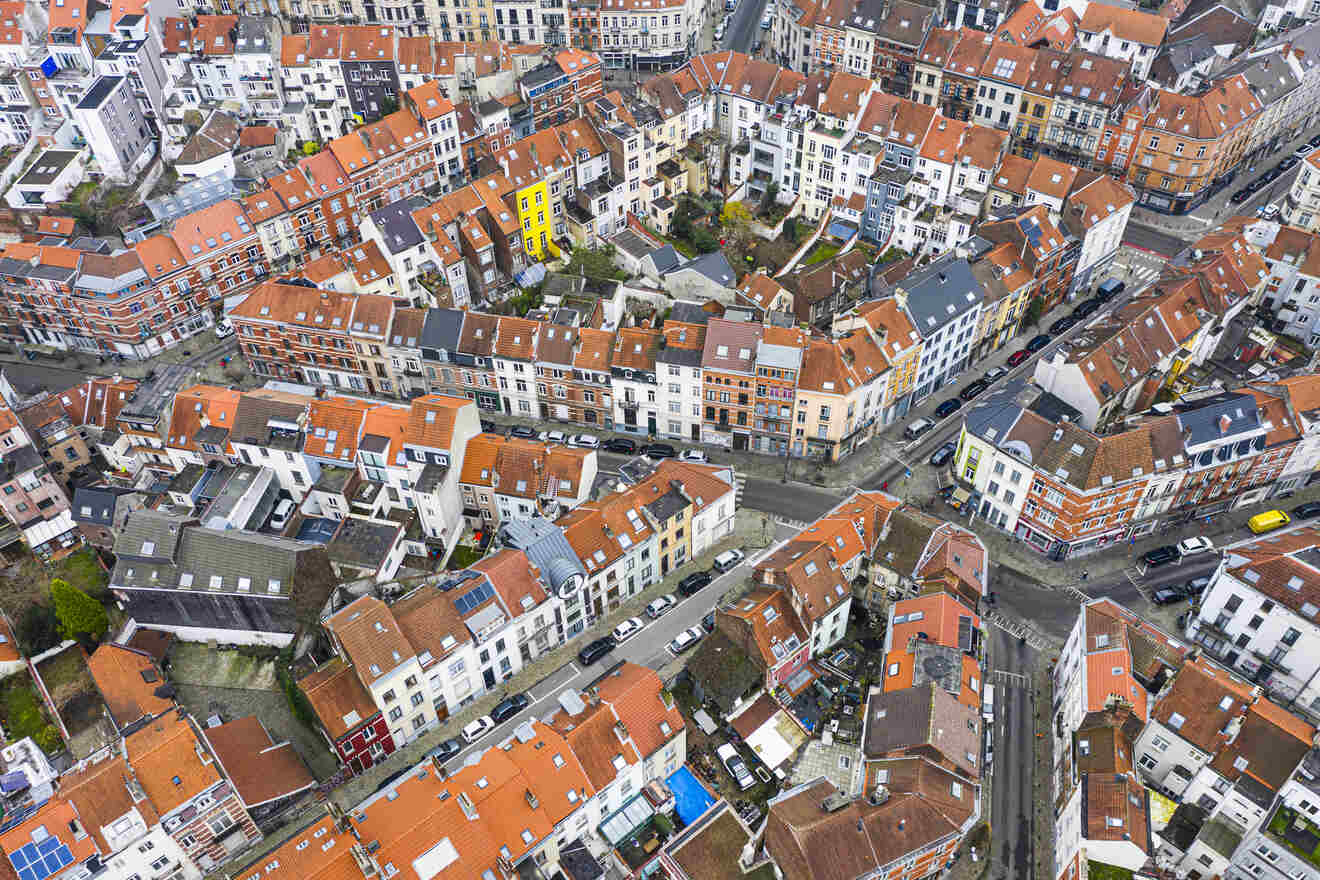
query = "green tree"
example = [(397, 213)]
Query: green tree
[(78, 613), (1031, 317), (704, 240), (38, 629)]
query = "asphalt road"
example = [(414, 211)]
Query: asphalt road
[(646, 648), (1011, 797), (744, 26), (1155, 241)]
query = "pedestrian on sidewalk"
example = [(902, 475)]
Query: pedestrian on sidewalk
[(1085, 574)]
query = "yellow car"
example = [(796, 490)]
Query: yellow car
[(1268, 521)]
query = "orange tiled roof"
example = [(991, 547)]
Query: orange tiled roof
[(128, 681), (169, 761)]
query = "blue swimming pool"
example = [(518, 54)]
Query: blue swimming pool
[(691, 798)]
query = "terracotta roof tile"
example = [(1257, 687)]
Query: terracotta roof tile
[(128, 681), (338, 698), (260, 769), (170, 762)]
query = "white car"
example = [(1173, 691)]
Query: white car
[(686, 639), (629, 628), (552, 437), (585, 441), (765, 22), (736, 766), (1193, 546), (696, 456), (223, 328), (661, 606), (479, 728)]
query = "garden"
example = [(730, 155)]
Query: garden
[(22, 714), (1297, 832)]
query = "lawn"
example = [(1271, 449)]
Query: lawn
[(24, 714), (462, 557), (83, 570), (1101, 871), (820, 253), (1281, 827)]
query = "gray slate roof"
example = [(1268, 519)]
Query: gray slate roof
[(545, 546), (1202, 424), (94, 506), (941, 292), (441, 329), (714, 266), (362, 543)]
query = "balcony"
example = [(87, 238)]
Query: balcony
[(1275, 664)]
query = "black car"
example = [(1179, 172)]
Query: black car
[(659, 450), (446, 750), (1063, 325), (589, 654), (1269, 176), (1289, 162), (974, 389), (940, 457), (508, 707), (948, 407), (1087, 308), (1160, 556), (1168, 595), (488, 426), (694, 582), (708, 622), (1241, 195), (1038, 342), (522, 431), (1309, 510), (622, 445), (1314, 142)]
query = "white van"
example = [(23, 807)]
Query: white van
[(988, 703), (727, 560)]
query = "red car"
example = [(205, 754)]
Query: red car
[(1018, 357)]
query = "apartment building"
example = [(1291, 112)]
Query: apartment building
[(943, 304), (636, 385), (353, 727), (1128, 35), (728, 368), (1292, 280), (1301, 207), (678, 363), (504, 478)]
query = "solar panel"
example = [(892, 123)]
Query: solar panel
[(474, 597), (37, 861)]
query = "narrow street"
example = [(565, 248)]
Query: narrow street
[(1013, 770)]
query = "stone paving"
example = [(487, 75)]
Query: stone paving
[(841, 763)]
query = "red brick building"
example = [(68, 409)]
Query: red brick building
[(350, 721)]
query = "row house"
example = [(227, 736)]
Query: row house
[(678, 364), (1290, 259), (304, 334), (1258, 617), (353, 726), (1119, 364), (1130, 35), (35, 505), (635, 377), (1110, 669), (505, 478), (1071, 495), (1040, 248), (562, 778)]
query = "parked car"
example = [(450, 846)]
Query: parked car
[(1241, 195), (661, 606), (658, 450), (1160, 556), (592, 652), (940, 457), (1314, 142), (994, 374), (223, 328), (1193, 546), (621, 445), (1268, 212), (584, 441), (1109, 289), (1196, 586), (917, 427), (974, 389), (728, 560), (1063, 325), (522, 431), (765, 22), (1085, 309), (694, 582), (280, 517), (509, 706), (626, 630), (1039, 342), (1017, 357), (708, 622), (552, 437), (686, 639), (477, 729), (446, 749), (1303, 151), (1309, 510), (736, 766), (948, 408), (1167, 595), (696, 456), (1289, 161)]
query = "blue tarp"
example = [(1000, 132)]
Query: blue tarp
[(691, 798)]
